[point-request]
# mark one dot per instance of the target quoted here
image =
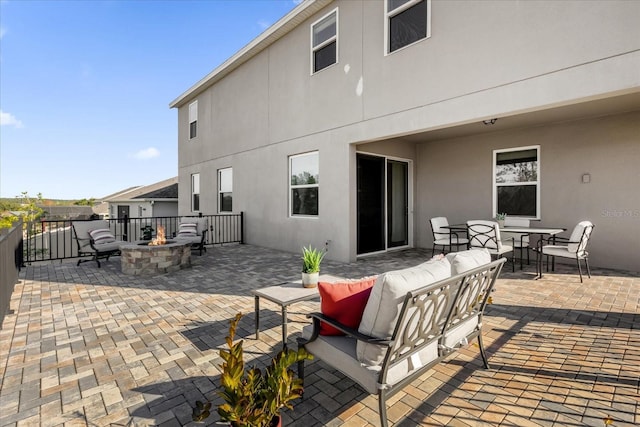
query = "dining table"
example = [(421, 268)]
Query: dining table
[(529, 231)]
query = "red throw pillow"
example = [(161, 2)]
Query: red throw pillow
[(345, 302)]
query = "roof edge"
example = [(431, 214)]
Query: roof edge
[(264, 40)]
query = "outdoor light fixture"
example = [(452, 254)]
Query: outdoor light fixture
[(490, 122)]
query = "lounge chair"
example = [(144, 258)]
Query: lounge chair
[(94, 239), (193, 230)]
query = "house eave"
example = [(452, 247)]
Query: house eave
[(287, 23)]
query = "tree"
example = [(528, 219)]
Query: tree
[(25, 207), (85, 202)]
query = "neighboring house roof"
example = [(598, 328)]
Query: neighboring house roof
[(170, 192), (287, 23), (71, 211), (167, 189), (101, 208), (111, 196)]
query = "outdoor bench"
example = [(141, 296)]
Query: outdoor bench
[(412, 320)]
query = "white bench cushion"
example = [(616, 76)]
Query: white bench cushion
[(385, 302), (468, 260), (340, 351)]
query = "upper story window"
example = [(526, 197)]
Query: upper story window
[(516, 174), (225, 190), (324, 42), (195, 192), (406, 22), (304, 179), (193, 119)]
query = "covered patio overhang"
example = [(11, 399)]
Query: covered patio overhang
[(588, 154)]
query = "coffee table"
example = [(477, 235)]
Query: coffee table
[(285, 294)]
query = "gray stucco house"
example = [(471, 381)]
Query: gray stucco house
[(353, 122)]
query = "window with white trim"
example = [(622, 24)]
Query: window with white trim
[(195, 192), (516, 178), (225, 190), (304, 184), (193, 119), (406, 22), (324, 42)]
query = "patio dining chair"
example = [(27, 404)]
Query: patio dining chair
[(445, 237), (575, 247), (520, 240), (486, 234)]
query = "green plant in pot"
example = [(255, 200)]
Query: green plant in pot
[(311, 259), (252, 397), (500, 217)]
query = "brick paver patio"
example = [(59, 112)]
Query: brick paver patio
[(88, 346)]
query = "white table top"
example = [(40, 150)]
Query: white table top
[(532, 230), (291, 292)]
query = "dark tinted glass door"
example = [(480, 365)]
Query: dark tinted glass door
[(370, 200)]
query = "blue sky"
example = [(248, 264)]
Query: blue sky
[(85, 86)]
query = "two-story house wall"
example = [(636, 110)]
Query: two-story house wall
[(354, 122)]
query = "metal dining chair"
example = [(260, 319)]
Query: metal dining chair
[(486, 234), (575, 247), (520, 240), (445, 237)]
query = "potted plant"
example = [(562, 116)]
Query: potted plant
[(311, 259), (254, 398), (500, 217)]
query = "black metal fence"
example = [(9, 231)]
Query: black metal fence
[(54, 240)]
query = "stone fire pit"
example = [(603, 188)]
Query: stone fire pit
[(138, 258)]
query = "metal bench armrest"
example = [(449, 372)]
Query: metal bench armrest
[(319, 317)]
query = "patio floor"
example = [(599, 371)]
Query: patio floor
[(88, 346)]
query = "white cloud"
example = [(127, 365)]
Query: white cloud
[(7, 119), (147, 153), (263, 24)]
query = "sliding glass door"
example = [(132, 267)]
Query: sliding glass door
[(382, 203)]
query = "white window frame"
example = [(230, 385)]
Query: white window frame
[(195, 190), (536, 182), (292, 187), (324, 43), (220, 192), (193, 118), (387, 18)]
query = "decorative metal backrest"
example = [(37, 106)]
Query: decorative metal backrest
[(473, 294), (429, 311), (421, 318), (484, 234), (584, 239)]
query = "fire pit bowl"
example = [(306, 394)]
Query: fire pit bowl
[(149, 243), (141, 258)]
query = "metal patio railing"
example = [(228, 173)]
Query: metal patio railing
[(51, 240)]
